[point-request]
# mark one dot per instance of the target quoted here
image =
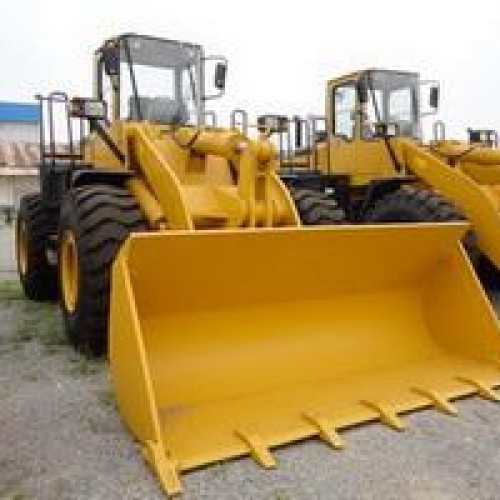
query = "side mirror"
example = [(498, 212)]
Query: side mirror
[(90, 109), (434, 97), (220, 76), (216, 65), (111, 59), (428, 96)]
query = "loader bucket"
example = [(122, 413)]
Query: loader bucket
[(231, 343)]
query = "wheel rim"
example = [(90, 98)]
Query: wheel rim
[(69, 270), (22, 247)]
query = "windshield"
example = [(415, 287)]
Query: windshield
[(393, 98), (160, 80)]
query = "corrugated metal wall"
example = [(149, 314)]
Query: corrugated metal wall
[(18, 171), (18, 154)]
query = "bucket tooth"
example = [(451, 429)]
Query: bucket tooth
[(386, 414), (165, 468), (258, 450), (482, 388), (438, 400), (326, 430)]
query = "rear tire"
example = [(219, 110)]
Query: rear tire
[(33, 229), (316, 209), (95, 221), (420, 205)]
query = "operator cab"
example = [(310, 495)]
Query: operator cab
[(155, 79), (376, 103)]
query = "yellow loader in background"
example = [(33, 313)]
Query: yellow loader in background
[(232, 329), (371, 153)]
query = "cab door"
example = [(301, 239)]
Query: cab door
[(342, 133), (354, 148), (373, 157)]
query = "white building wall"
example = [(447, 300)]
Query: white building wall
[(25, 132), (6, 198), (13, 187)]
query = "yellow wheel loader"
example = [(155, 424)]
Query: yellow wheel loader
[(231, 329), (371, 154)]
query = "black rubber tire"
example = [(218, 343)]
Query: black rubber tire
[(100, 219), (316, 208), (39, 278), (410, 204)]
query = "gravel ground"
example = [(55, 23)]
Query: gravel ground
[(61, 436)]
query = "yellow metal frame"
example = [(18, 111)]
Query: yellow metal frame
[(183, 176), (479, 203), (69, 270)]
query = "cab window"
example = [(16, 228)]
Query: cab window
[(401, 105), (371, 116), (344, 107)]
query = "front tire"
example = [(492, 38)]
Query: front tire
[(410, 204), (317, 209), (95, 221)]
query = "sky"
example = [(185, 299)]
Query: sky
[(281, 53)]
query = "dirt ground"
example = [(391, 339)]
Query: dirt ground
[(61, 436)]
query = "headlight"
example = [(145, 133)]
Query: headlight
[(91, 109), (272, 123), (383, 129)]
